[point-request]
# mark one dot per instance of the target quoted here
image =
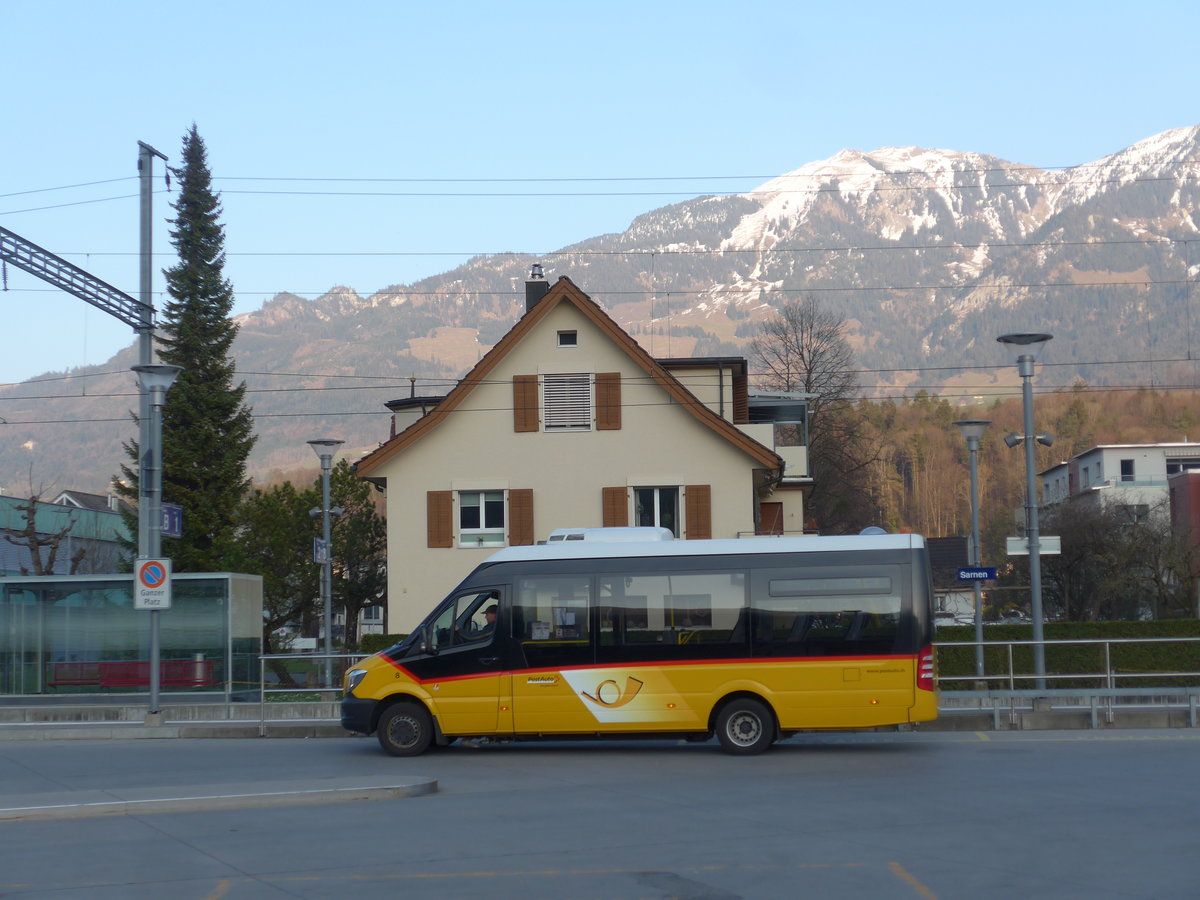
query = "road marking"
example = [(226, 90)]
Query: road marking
[(982, 735), (899, 872), (222, 889)]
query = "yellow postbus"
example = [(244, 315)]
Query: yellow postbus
[(750, 640)]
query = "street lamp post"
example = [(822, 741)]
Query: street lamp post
[(154, 381), (1028, 345), (325, 448), (972, 430)]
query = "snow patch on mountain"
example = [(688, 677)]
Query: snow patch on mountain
[(1156, 157)]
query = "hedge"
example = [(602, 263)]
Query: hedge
[(956, 665)]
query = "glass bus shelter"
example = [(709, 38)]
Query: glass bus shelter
[(63, 634)]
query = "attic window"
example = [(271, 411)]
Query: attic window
[(568, 339)]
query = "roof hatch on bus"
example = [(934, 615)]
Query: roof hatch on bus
[(611, 535)]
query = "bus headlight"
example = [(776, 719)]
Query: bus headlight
[(353, 677)]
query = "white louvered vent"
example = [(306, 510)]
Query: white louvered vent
[(567, 402)]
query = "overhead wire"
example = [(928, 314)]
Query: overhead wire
[(755, 290), (406, 381), (1013, 393)]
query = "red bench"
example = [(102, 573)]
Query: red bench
[(75, 674), (132, 673)]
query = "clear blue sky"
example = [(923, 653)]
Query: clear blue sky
[(524, 90)]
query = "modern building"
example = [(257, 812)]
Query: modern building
[(1130, 477), (76, 533), (568, 422)]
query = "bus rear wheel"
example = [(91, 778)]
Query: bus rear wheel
[(405, 729), (745, 727)]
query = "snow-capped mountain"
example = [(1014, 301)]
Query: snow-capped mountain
[(928, 254)]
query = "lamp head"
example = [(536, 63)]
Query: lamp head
[(1046, 440), (1027, 343), (324, 447), (156, 377), (972, 428), (1013, 439)]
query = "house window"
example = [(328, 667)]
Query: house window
[(567, 402), (1127, 470), (372, 615), (568, 339), (657, 506), (481, 520)]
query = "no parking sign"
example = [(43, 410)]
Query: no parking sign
[(152, 584)]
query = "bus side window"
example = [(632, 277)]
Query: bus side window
[(463, 620), (551, 613), (817, 612), (664, 616)]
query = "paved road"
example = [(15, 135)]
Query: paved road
[(997, 815)]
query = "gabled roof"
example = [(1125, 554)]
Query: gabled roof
[(565, 291), (85, 500)]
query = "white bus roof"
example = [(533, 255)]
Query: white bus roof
[(586, 549)]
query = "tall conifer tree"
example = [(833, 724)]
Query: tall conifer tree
[(208, 430)]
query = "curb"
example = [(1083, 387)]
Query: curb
[(117, 731), (257, 795)]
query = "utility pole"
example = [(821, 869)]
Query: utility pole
[(149, 526), (145, 328)]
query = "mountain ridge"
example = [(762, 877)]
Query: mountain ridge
[(928, 254)]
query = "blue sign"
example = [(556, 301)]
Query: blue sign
[(171, 520), (980, 574)]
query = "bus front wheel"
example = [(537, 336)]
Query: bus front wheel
[(405, 729), (745, 726)]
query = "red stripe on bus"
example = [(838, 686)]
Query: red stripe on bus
[(754, 661)]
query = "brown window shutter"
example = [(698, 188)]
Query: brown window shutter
[(616, 507), (520, 517), (525, 403), (770, 518), (741, 400), (697, 499), (439, 521), (608, 401)]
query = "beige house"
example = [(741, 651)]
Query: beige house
[(568, 422)]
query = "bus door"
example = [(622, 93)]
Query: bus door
[(553, 634), (464, 671)]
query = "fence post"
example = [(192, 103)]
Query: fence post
[(262, 696)]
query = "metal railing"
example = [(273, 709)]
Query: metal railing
[(1110, 678), (317, 677), (320, 674), (1098, 693)]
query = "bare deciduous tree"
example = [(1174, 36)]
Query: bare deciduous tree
[(1114, 566), (804, 350), (43, 546)]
